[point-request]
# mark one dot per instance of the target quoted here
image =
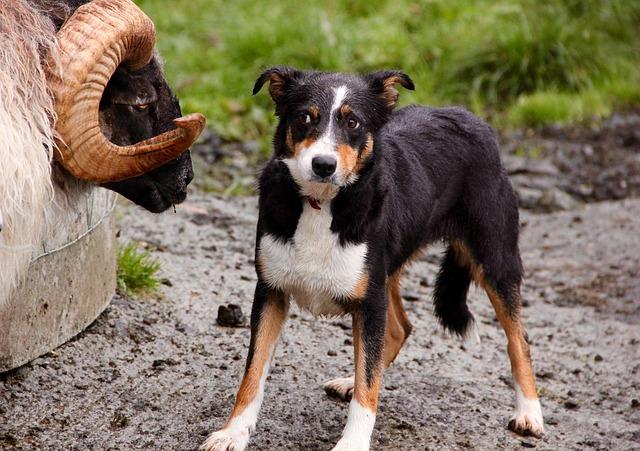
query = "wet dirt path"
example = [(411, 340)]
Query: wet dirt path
[(160, 374)]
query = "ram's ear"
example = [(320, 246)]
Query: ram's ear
[(384, 83), (280, 80)]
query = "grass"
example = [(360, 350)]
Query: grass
[(515, 62), (137, 273)]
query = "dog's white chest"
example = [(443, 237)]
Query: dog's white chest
[(313, 267)]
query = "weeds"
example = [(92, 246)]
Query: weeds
[(137, 273)]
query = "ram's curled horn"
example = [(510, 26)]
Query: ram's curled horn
[(95, 40)]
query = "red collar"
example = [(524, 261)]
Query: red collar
[(314, 203)]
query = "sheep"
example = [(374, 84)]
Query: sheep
[(82, 102)]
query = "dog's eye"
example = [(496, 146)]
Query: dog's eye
[(353, 123), (304, 118)]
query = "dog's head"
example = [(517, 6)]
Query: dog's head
[(328, 122)]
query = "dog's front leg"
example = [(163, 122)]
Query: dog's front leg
[(268, 315), (368, 340)]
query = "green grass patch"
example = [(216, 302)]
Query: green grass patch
[(623, 94), (137, 273), (488, 55), (544, 108)]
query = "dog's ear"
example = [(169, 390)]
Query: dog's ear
[(383, 83), (280, 80)]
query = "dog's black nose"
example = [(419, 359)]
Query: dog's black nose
[(324, 165)]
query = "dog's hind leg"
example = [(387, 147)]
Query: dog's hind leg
[(397, 331), (503, 288)]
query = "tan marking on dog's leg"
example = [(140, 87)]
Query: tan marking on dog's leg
[(527, 419), (362, 408), (361, 288), (397, 331), (236, 432), (398, 325), (272, 320), (366, 394)]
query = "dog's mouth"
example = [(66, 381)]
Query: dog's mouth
[(326, 180)]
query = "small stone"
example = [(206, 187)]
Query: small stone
[(598, 358), (635, 403), (411, 296), (230, 316), (571, 405), (119, 420), (332, 353)]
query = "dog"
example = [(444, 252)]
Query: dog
[(354, 191)]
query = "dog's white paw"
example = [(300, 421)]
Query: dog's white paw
[(351, 445), (228, 439), (341, 388), (527, 419)]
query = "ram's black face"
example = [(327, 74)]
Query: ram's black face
[(135, 107)]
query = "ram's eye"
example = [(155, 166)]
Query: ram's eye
[(304, 118), (353, 123)]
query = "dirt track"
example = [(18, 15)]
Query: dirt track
[(160, 374)]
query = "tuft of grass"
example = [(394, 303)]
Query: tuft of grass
[(137, 273), (544, 108), (623, 94)]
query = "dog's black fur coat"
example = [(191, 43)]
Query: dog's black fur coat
[(435, 174)]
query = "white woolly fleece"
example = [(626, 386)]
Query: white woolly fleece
[(26, 136)]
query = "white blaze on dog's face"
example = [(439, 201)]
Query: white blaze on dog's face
[(316, 165), (326, 140)]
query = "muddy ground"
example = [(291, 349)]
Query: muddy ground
[(160, 374)]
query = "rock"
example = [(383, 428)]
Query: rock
[(570, 404), (555, 199), (411, 296), (528, 198), (231, 316)]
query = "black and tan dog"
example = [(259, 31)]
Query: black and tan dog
[(352, 193)]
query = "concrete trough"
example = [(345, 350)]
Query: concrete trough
[(71, 278)]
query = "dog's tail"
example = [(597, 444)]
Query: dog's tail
[(450, 295)]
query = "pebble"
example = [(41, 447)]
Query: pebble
[(230, 315)]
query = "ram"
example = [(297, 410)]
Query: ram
[(83, 102)]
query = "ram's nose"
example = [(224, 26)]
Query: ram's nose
[(324, 165)]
